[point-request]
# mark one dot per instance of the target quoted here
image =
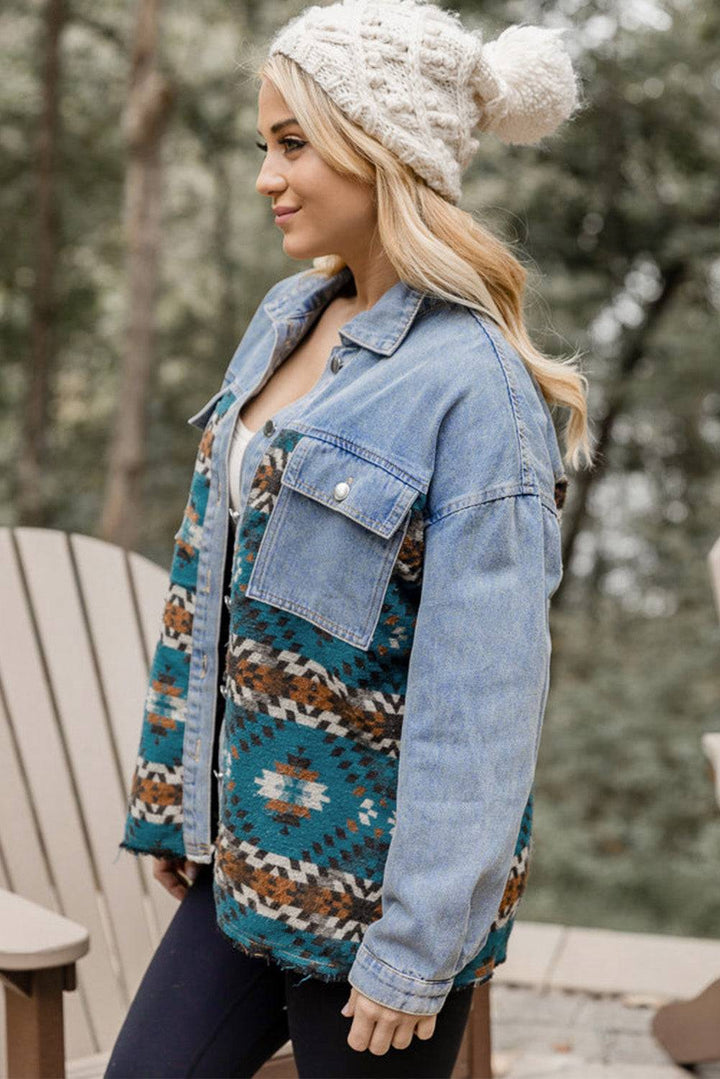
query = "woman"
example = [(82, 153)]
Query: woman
[(355, 641)]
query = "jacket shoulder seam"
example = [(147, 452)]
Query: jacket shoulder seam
[(491, 494), (512, 395)]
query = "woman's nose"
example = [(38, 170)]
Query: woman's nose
[(269, 181)]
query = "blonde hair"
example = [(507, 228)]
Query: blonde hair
[(432, 244)]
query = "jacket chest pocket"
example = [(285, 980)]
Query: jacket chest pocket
[(332, 538)]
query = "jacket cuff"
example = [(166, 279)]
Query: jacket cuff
[(389, 987)]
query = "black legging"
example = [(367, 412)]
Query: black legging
[(204, 1008)]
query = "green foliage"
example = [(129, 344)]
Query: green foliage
[(627, 833)]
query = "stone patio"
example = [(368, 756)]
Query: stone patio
[(578, 1003)]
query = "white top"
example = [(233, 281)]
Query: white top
[(240, 437)]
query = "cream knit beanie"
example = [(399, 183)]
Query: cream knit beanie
[(408, 73)]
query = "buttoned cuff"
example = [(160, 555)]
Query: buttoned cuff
[(393, 989)]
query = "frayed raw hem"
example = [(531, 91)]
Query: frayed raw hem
[(284, 962), (482, 973), (473, 984), (160, 852)]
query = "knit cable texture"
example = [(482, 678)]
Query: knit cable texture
[(411, 75)]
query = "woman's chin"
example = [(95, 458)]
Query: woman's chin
[(295, 248)]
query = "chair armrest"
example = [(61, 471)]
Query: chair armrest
[(713, 559), (711, 748), (33, 938)]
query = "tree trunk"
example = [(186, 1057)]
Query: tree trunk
[(227, 299), (32, 505), (149, 103), (632, 351)]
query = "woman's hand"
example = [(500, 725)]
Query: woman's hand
[(376, 1027), (168, 870)]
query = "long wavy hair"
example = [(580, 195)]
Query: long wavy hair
[(433, 245)]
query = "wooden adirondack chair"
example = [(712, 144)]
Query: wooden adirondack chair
[(690, 1029), (79, 623)]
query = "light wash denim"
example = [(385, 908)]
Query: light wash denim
[(420, 396)]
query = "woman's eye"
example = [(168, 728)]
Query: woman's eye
[(289, 144)]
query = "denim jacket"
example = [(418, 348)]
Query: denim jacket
[(388, 658)]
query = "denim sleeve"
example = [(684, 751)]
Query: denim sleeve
[(477, 687)]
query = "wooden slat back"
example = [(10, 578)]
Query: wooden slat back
[(4, 883), (714, 568), (120, 620), (74, 653)]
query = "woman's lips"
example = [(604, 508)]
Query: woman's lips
[(285, 216)]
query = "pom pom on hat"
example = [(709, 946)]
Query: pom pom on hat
[(525, 84)]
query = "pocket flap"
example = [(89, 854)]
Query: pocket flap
[(376, 498)]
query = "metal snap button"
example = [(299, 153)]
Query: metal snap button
[(268, 427), (227, 601), (234, 514), (342, 490), (224, 691), (335, 364)]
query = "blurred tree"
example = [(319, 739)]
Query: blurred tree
[(32, 506), (150, 99), (621, 208)]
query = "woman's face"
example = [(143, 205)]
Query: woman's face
[(334, 214)]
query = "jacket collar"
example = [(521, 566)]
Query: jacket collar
[(381, 328)]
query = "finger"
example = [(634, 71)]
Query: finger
[(163, 865), (348, 1008), (425, 1028), (186, 872), (191, 870), (403, 1035), (382, 1037), (171, 882), (182, 876), (361, 1032), (175, 886)]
